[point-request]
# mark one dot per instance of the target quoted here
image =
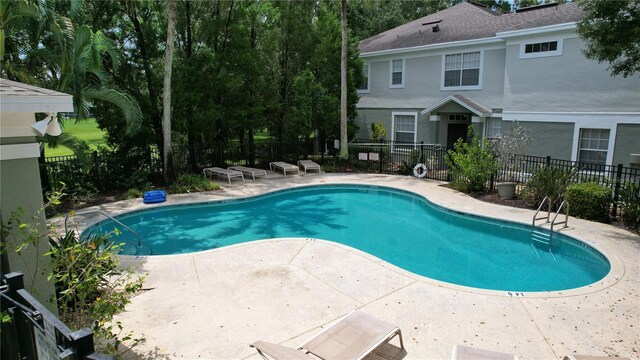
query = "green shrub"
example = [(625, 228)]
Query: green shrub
[(378, 131), (589, 201), (133, 194), (91, 288), (549, 181), (192, 183), (406, 168), (629, 203), (471, 164)]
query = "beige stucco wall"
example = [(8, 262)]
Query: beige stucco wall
[(20, 189)]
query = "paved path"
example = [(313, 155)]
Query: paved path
[(212, 304)]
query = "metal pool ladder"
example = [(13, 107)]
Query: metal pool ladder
[(542, 237), (139, 244)]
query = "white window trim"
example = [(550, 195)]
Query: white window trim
[(393, 126), (404, 71), (472, 87), (599, 125), (368, 89), (557, 52)]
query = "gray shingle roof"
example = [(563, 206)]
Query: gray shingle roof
[(466, 21), (8, 88)]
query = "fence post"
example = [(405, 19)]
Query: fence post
[(616, 191), (96, 169), (220, 154), (44, 174), (548, 162), (422, 159), (194, 157), (82, 342), (19, 328)]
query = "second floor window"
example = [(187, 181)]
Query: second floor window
[(541, 47), (397, 73), (365, 81), (462, 69)]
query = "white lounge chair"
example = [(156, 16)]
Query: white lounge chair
[(283, 166), (591, 357), (308, 165), (461, 352), (208, 172), (250, 171), (355, 336)]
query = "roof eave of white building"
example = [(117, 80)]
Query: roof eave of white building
[(36, 104)]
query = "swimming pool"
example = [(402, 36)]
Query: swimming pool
[(397, 226)]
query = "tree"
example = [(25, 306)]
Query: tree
[(611, 30), (166, 91), (44, 48), (344, 146)]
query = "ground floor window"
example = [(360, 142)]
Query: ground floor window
[(494, 128), (593, 146), (404, 129)]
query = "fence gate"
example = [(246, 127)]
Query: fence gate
[(36, 333)]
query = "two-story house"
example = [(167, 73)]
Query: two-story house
[(429, 79)]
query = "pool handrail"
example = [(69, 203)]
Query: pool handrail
[(104, 213)]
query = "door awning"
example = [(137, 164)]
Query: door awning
[(463, 101)]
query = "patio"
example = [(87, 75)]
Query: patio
[(212, 304)]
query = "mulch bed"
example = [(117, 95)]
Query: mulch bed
[(495, 199)]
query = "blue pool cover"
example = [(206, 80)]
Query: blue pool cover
[(154, 196)]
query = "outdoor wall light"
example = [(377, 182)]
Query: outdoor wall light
[(48, 125)]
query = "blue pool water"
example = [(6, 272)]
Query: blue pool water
[(396, 226)]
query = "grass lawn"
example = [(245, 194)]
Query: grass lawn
[(86, 130)]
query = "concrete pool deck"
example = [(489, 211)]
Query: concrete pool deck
[(212, 304)]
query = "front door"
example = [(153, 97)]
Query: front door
[(455, 132)]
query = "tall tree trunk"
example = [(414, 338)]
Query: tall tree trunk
[(344, 150), (166, 95), (191, 135), (146, 63)]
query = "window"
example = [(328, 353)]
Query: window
[(404, 130), (365, 82), (462, 70), (459, 117), (593, 146), (494, 128), (541, 49), (397, 73)]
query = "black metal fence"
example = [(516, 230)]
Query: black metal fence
[(35, 333), (122, 170)]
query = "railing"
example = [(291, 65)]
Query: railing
[(139, 243), (535, 216), (35, 333)]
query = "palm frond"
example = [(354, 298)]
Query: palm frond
[(79, 147), (128, 105)]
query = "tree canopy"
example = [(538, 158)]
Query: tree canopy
[(239, 67), (611, 30)]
